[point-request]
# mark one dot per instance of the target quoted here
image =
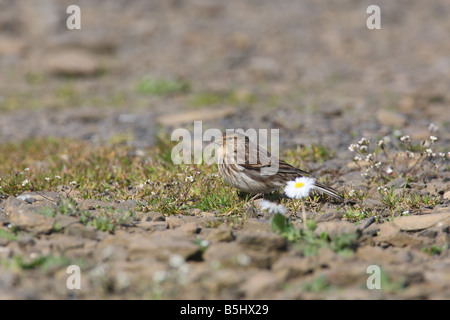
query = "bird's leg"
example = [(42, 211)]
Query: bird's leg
[(256, 196)]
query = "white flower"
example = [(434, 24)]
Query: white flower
[(433, 138), (405, 213), (299, 188), (410, 154), (73, 183), (351, 193), (47, 179), (353, 147), (405, 139), (24, 182), (272, 207), (381, 143), (26, 169), (429, 152), (58, 177), (363, 149), (190, 178), (357, 158), (364, 141), (378, 164), (433, 128), (369, 157), (389, 170)]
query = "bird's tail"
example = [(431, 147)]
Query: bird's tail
[(326, 189)]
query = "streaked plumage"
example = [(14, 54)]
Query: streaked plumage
[(238, 171)]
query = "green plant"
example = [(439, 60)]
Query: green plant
[(398, 156), (48, 212), (162, 86), (308, 241), (4, 234), (434, 250), (319, 284)]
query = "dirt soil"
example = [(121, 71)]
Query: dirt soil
[(311, 69)]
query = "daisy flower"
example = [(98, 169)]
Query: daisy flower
[(299, 188), (272, 207)]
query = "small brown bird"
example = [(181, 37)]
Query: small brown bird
[(242, 164)]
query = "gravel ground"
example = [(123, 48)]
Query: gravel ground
[(310, 69)]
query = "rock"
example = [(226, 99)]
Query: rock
[(330, 216), (399, 239), (261, 284), (174, 222), (443, 239), (39, 196), (225, 284), (223, 254), (397, 183), (64, 221), (346, 275), (391, 119), (261, 241), (289, 267), (204, 114), (185, 223), (21, 216), (371, 203), (257, 225), (380, 256), (364, 224), (153, 225), (335, 228), (263, 248), (71, 62), (79, 230), (420, 222), (162, 247), (446, 195), (92, 204), (190, 228), (429, 233), (154, 216), (220, 235), (250, 249), (252, 212), (64, 243)]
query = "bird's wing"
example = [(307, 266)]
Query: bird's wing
[(265, 160)]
